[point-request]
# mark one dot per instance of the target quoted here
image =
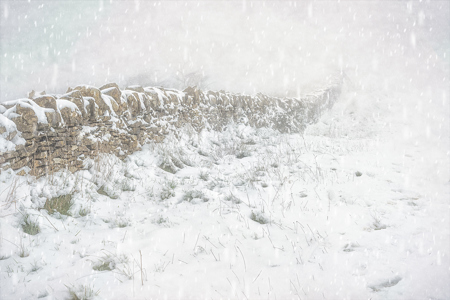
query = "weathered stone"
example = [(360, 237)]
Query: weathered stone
[(11, 135), (58, 160), (83, 148), (70, 117), (46, 102), (53, 118), (28, 151), (40, 171), (92, 109), (20, 163), (136, 88), (42, 127), (109, 85), (40, 162), (27, 119), (113, 92), (41, 155), (60, 144), (77, 98), (133, 104), (94, 93)]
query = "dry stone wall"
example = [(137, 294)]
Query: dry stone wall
[(47, 132)]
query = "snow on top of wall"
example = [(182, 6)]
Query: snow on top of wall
[(108, 100), (38, 110), (9, 127), (61, 104)]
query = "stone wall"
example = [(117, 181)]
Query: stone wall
[(48, 132)]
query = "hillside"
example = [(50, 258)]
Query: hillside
[(347, 210)]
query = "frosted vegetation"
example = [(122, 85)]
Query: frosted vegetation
[(357, 207)]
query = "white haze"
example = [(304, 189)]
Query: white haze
[(279, 48)]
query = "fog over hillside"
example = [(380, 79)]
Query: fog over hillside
[(279, 48)]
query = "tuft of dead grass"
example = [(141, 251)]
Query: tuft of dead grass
[(61, 204)]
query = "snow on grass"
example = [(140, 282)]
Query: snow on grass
[(338, 213)]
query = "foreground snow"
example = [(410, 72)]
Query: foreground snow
[(356, 208)]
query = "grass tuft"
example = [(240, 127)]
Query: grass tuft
[(106, 263), (82, 292), (259, 217), (233, 199), (84, 211), (104, 190), (61, 204), (204, 176), (29, 226), (194, 194)]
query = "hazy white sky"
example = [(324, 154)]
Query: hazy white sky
[(275, 47)]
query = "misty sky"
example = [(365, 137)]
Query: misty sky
[(280, 48)]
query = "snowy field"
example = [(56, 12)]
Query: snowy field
[(358, 207)]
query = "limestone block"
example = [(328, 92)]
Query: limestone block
[(53, 118), (109, 85), (27, 121), (136, 88), (20, 163), (116, 100), (133, 104), (46, 101), (93, 92), (77, 98)]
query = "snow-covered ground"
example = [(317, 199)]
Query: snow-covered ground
[(356, 208), (251, 214)]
